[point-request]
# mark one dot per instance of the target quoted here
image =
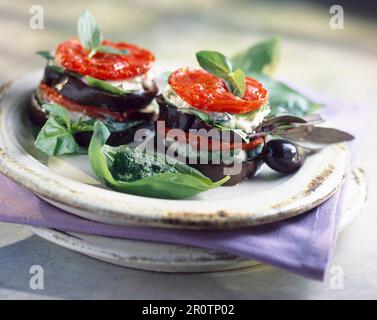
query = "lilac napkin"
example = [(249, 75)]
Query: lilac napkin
[(302, 244)]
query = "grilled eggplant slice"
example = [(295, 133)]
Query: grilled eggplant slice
[(176, 119), (74, 88), (216, 171)]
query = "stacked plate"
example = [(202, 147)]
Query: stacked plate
[(68, 183)]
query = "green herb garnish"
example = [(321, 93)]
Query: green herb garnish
[(284, 99), (258, 62), (131, 165), (57, 135), (236, 82), (103, 85), (219, 65), (129, 170), (91, 36), (262, 57), (56, 68), (93, 82), (214, 62), (47, 55)]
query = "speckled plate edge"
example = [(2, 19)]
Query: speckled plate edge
[(321, 175), (161, 257), (145, 255)]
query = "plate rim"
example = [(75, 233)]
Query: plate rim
[(212, 261), (60, 190)]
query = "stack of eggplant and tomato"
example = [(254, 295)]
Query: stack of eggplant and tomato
[(110, 82), (96, 91)]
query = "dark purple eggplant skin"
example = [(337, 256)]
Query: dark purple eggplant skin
[(176, 119), (216, 171), (39, 116), (116, 138), (74, 88)]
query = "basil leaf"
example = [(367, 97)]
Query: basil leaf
[(206, 118), (171, 185), (58, 112), (46, 54), (284, 99), (56, 137), (121, 126), (108, 49), (100, 84), (214, 62), (90, 35), (219, 65), (236, 83), (103, 85), (56, 68), (168, 186), (262, 57), (83, 125), (244, 135), (201, 115)]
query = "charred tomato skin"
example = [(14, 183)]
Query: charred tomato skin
[(176, 119), (105, 66), (207, 92)]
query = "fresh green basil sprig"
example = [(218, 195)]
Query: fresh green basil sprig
[(169, 179), (219, 65), (105, 86), (91, 36), (56, 137), (259, 61), (47, 55), (262, 57), (284, 99)]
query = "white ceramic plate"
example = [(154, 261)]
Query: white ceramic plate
[(175, 258), (268, 197)]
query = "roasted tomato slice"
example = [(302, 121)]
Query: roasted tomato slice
[(205, 91), (106, 66), (51, 95)]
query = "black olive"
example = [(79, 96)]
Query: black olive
[(283, 156)]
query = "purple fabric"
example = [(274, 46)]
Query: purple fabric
[(302, 244)]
